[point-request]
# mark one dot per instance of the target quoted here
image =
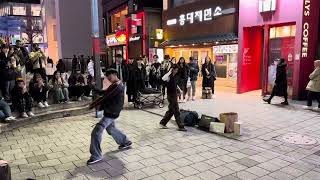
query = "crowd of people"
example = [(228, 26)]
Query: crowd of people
[(48, 82), (139, 74)]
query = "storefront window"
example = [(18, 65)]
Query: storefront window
[(118, 21), (282, 31), (19, 10), (35, 10)]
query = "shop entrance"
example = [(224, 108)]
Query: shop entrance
[(252, 56)]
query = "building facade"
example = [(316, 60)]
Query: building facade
[(21, 20), (68, 28), (130, 28), (204, 28), (271, 29)]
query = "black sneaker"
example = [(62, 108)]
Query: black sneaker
[(92, 161), (267, 100), (182, 129), (125, 146), (285, 103)]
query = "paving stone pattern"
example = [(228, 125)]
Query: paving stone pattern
[(58, 149)]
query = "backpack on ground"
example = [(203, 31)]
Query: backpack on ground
[(190, 118), (205, 121)]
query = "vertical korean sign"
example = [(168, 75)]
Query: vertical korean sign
[(309, 38)]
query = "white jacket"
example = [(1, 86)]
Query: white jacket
[(91, 69)]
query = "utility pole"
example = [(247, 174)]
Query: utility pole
[(96, 47), (96, 41)]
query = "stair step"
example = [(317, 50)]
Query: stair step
[(55, 107), (47, 115)]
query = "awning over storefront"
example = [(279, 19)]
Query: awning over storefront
[(222, 38)]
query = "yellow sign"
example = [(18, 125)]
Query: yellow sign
[(114, 40), (159, 34)]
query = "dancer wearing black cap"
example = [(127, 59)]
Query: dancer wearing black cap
[(111, 103)]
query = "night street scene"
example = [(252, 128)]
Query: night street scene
[(160, 89)]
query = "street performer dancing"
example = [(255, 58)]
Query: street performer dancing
[(111, 103)]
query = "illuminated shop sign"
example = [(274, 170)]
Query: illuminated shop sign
[(134, 38), (200, 16), (267, 5), (159, 34), (306, 28), (116, 39), (229, 49)]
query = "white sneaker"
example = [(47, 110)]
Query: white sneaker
[(189, 98), (30, 114), (40, 105), (24, 115), (79, 99), (46, 104), (10, 118), (193, 98), (307, 107)]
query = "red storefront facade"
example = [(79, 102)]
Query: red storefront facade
[(270, 29)]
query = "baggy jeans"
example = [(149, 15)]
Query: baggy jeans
[(96, 136)]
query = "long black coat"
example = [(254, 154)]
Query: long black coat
[(208, 80), (136, 78), (131, 77), (281, 84)]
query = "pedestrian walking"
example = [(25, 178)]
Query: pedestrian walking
[(281, 85), (172, 94), (209, 74), (193, 77), (314, 87), (111, 103), (183, 75)]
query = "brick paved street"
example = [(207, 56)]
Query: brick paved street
[(58, 149)]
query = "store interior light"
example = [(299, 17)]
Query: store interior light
[(193, 44), (217, 42), (180, 45)]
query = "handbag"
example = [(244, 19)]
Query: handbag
[(188, 83), (205, 122)]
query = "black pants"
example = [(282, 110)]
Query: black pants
[(274, 92), (40, 95), (24, 103), (313, 95), (173, 110), (76, 91)]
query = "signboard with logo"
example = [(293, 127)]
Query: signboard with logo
[(202, 18), (116, 39)]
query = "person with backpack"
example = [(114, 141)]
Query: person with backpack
[(172, 94), (111, 103)]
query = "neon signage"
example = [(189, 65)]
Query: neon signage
[(306, 28), (116, 39), (200, 16)]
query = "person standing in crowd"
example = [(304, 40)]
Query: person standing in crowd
[(75, 64), (183, 75), (7, 73), (281, 85), (173, 60), (91, 77), (314, 86), (61, 67), (23, 55), (121, 66), (155, 73), (147, 66), (50, 68), (208, 71), (5, 111), (59, 87), (38, 61), (131, 81), (171, 83), (83, 64), (140, 76), (38, 91), (165, 66), (77, 86), (21, 99), (193, 75), (111, 103)]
